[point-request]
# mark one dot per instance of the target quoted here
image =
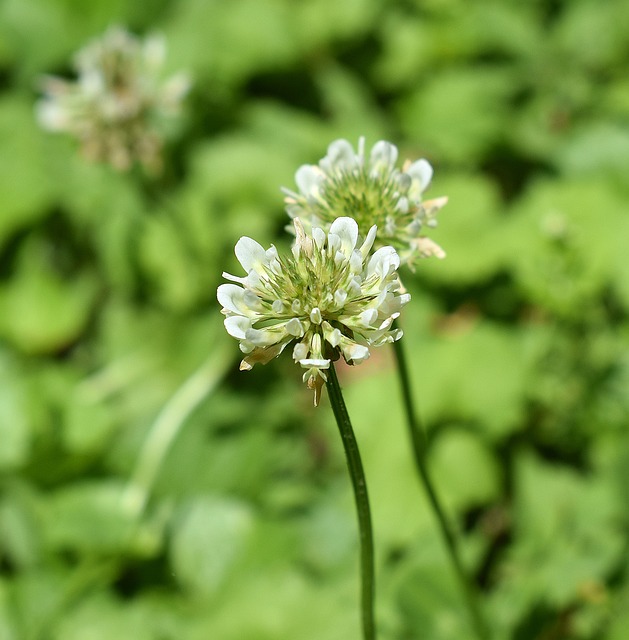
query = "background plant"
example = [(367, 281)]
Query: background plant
[(517, 340)]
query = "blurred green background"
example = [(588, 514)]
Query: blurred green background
[(150, 491)]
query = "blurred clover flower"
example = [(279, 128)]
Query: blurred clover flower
[(329, 297), (117, 101), (374, 192)]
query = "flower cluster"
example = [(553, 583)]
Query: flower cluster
[(116, 101), (371, 190), (330, 297)]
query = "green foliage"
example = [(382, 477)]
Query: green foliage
[(149, 490)]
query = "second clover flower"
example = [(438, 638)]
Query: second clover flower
[(329, 297), (373, 191)]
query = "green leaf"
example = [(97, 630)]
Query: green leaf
[(101, 617), (567, 242), (471, 370), (88, 517), (88, 424), (597, 149), (43, 313), (471, 231), (459, 113), (429, 598), (210, 537), (7, 627), (15, 434), (20, 527), (37, 597), (566, 533), (170, 265), (24, 184), (464, 470)]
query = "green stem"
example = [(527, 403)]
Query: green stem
[(418, 440), (168, 424), (355, 467)]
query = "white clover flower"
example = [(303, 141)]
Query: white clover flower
[(329, 298), (371, 190), (115, 105)]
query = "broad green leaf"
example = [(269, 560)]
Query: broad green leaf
[(7, 627), (464, 470), (88, 423), (600, 149), (20, 527), (567, 533), (42, 312), (209, 539), (429, 599), (37, 597), (25, 187), (571, 236), (171, 267), (471, 231), (88, 517), (458, 114), (15, 433), (101, 617), (471, 370)]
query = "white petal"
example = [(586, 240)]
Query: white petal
[(51, 115), (228, 276), (331, 335), (354, 287), (402, 205), (335, 337), (303, 242), (318, 235), (308, 179), (427, 248), (357, 353), (368, 243), (383, 262), (175, 88), (340, 296), (356, 262), (340, 156), (295, 327), (300, 351), (250, 254), (334, 244), (154, 50), (347, 231), (383, 156), (266, 337), (233, 298), (237, 326), (369, 317), (421, 171), (361, 149), (316, 363), (315, 316)]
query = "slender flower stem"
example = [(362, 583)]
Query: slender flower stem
[(168, 424), (418, 440), (355, 467)]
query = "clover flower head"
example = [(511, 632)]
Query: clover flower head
[(118, 104), (329, 297), (373, 191)]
